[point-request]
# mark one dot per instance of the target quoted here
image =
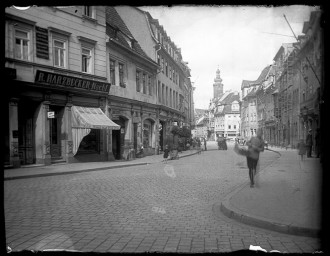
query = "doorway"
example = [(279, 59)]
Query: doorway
[(55, 125), (26, 125), (161, 134), (118, 139)]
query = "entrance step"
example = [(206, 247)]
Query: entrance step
[(58, 160)]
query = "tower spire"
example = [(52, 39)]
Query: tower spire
[(217, 86)]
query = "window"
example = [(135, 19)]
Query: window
[(170, 73), (173, 73), (88, 11), (163, 65), (159, 93), (91, 142), (235, 126), (112, 72), (158, 59), (144, 83), (121, 74), (229, 127), (166, 69), (22, 45), (86, 60), (59, 53), (150, 85), (138, 87)]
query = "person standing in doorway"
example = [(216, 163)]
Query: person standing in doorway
[(309, 143), (166, 153), (301, 149)]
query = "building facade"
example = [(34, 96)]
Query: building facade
[(172, 84), (58, 85), (133, 100)]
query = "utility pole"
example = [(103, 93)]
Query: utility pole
[(310, 64)]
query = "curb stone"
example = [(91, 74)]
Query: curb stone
[(85, 170), (226, 208)]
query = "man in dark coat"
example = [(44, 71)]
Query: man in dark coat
[(309, 143)]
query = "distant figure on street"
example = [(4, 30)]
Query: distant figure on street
[(166, 153), (205, 144), (255, 146), (199, 146), (309, 143), (318, 143), (301, 146)]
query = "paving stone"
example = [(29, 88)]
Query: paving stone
[(97, 210)]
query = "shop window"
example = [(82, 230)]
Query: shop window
[(91, 142), (22, 44), (59, 53), (147, 134), (86, 60)]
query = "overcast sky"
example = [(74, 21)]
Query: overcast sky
[(239, 40)]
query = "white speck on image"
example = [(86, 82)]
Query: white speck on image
[(158, 209), (169, 170)]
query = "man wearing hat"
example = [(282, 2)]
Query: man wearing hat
[(309, 143)]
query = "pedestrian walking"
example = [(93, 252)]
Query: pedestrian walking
[(255, 146), (309, 143), (199, 146), (166, 153), (301, 146), (205, 144)]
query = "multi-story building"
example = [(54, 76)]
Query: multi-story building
[(265, 105), (57, 99), (227, 115), (173, 72), (311, 79), (132, 100), (248, 111)]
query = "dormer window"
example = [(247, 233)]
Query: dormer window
[(89, 11)]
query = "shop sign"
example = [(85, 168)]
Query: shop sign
[(42, 48), (51, 114), (62, 81)]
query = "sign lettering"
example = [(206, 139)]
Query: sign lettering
[(58, 80)]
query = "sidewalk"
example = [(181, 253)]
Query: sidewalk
[(286, 197), (64, 168)]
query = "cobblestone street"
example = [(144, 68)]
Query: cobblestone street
[(157, 207)]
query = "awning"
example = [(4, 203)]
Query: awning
[(92, 118)]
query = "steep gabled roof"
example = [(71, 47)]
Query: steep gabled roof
[(117, 30), (227, 101)]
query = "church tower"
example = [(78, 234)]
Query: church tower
[(217, 86)]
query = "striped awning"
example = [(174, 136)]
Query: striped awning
[(93, 118)]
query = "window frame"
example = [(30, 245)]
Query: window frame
[(138, 80), (91, 10), (65, 51), (121, 74), (112, 75), (28, 39), (89, 67)]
